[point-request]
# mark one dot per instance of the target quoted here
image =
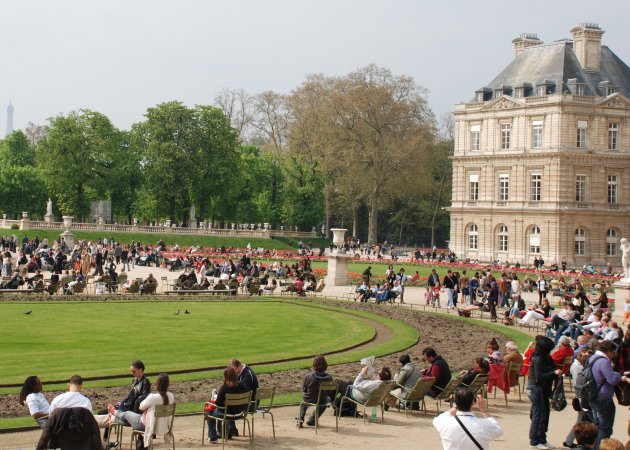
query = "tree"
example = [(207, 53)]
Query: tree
[(188, 157), (369, 122), (75, 157)]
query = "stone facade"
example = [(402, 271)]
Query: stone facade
[(541, 166)]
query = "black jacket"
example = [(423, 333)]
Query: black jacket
[(71, 429), (249, 380), (542, 372), (139, 391), (310, 385)]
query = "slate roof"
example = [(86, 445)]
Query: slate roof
[(558, 63)]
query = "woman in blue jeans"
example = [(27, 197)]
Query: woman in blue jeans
[(230, 386), (542, 372)]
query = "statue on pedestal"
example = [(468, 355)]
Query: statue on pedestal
[(49, 207)]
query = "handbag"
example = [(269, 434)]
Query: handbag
[(622, 392), (468, 433), (558, 399)]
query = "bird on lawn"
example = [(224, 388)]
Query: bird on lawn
[(177, 312), (186, 312), (27, 312)]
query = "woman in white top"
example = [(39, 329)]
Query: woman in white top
[(6, 270), (146, 421), (31, 395)]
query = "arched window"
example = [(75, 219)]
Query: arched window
[(580, 241), (473, 237), (534, 240), (611, 242), (502, 236)]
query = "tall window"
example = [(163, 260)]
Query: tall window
[(612, 189), (542, 90), (475, 131), (502, 234), (536, 187), (580, 241), (474, 187), (506, 128), (611, 242), (473, 242), (580, 188), (579, 89), (582, 126), (534, 240), (504, 187), (613, 136), (537, 134)]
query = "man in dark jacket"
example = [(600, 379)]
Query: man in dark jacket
[(310, 390), (245, 375), (439, 370)]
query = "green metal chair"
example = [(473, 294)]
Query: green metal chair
[(324, 387), (416, 395), (376, 398)]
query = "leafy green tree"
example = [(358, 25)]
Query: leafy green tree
[(75, 158), (188, 157)]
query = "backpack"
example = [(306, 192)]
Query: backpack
[(585, 385)]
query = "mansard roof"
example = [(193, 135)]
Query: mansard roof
[(556, 63)]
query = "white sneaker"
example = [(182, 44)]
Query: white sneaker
[(548, 445), (540, 446)]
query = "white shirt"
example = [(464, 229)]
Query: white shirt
[(71, 400), (37, 403), (576, 368), (455, 438), (515, 286)]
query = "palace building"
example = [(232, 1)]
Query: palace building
[(541, 165)]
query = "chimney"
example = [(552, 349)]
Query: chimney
[(587, 45), (524, 41)]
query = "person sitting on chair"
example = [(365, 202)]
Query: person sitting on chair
[(31, 395), (406, 379), (363, 386), (310, 390), (148, 284), (230, 386), (439, 370), (481, 366), (145, 420)]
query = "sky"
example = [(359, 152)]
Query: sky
[(120, 57)]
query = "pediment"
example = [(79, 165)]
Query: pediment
[(503, 102), (615, 100)]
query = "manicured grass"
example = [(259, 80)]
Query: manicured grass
[(101, 338)]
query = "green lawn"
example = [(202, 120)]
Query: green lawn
[(101, 339)]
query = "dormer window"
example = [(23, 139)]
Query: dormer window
[(607, 88), (575, 87), (483, 95), (502, 90), (545, 88), (518, 93)]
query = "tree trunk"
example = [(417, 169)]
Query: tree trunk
[(373, 223), (355, 221)]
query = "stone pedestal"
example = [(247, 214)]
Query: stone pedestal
[(337, 261), (68, 238), (192, 223), (49, 218), (622, 292), (337, 270), (25, 223)]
